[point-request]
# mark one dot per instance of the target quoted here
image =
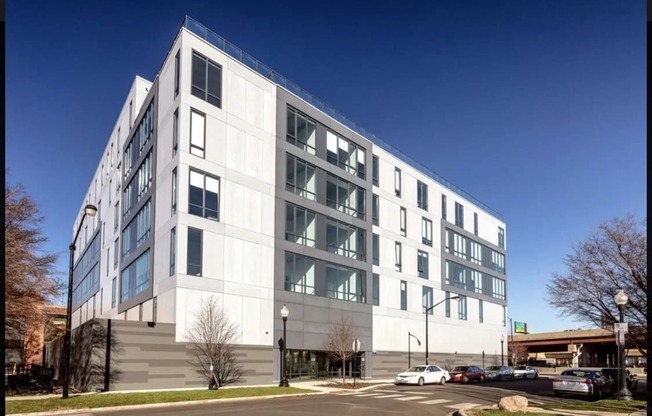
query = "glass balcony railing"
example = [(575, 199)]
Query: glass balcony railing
[(230, 49)]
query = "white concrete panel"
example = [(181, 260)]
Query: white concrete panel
[(253, 210), (254, 105), (235, 148), (216, 151), (267, 225), (236, 90), (251, 264), (233, 250), (268, 165), (269, 111), (232, 305), (251, 334), (267, 267), (167, 306), (213, 255), (233, 200), (253, 158)]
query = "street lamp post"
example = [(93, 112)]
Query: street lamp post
[(419, 342), (502, 355), (427, 312), (89, 210), (284, 380), (623, 392)]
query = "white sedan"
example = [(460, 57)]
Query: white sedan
[(525, 371), (423, 374)]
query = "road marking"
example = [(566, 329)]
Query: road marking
[(369, 394), (386, 391), (462, 405), (436, 401), (416, 392), (411, 398), (390, 396)]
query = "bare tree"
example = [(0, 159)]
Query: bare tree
[(613, 257), (339, 345), (518, 351), (29, 273), (212, 341)]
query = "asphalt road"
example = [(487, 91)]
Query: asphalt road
[(384, 400)]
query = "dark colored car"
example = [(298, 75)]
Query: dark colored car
[(467, 373), (612, 373), (586, 382), (499, 372)]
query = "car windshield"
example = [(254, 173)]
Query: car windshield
[(493, 367), (417, 369), (460, 368), (576, 373)]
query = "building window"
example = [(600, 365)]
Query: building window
[(422, 195), (345, 154), (135, 278), (476, 252), (375, 208), (344, 239), (501, 237), (345, 196), (204, 195), (398, 256), (443, 207), (301, 130), (403, 295), (459, 215), (175, 132), (475, 223), (138, 230), (116, 252), (299, 225), (299, 274), (206, 79), (497, 261), (374, 170), (345, 283), (176, 73), (403, 221), (422, 264), (375, 248), (375, 289), (461, 308), (174, 191), (397, 182), (114, 291), (173, 250), (300, 177), (195, 252), (197, 132), (456, 275), (459, 246), (475, 281), (426, 231), (480, 311), (447, 304), (426, 299), (498, 288)]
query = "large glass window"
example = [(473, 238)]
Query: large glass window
[(375, 208), (138, 230), (403, 221), (498, 288), (374, 170), (422, 263), (422, 195), (459, 214), (204, 195), (345, 196), (301, 130), (345, 283), (398, 254), (344, 239), (375, 289), (403, 295), (197, 133), (461, 307), (476, 252), (426, 299), (497, 261), (475, 281), (345, 154), (456, 275), (375, 248), (299, 274), (300, 177), (135, 278), (501, 237), (299, 225), (426, 231), (174, 191), (206, 79), (459, 246), (195, 252)]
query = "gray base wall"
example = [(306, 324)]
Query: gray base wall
[(387, 364)]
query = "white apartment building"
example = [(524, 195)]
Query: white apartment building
[(223, 178)]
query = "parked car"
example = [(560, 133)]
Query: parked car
[(499, 372), (525, 371), (612, 374), (581, 382), (466, 373), (423, 374)]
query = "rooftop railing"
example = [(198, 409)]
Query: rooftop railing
[(236, 53)]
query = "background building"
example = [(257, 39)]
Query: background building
[(223, 178)]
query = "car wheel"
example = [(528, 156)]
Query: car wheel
[(512, 377), (421, 381), (442, 381), (556, 393), (465, 379), (481, 379)]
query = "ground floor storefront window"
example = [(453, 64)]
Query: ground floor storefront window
[(305, 364)]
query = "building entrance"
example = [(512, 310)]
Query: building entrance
[(304, 364)]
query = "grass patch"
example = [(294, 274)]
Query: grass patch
[(617, 406), (92, 401)]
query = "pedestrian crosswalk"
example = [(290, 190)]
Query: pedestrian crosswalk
[(412, 396)]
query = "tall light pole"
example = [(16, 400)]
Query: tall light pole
[(427, 312), (284, 380), (623, 392), (419, 342), (89, 210), (502, 351)]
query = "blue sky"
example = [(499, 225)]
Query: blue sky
[(536, 108)]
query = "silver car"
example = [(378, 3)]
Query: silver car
[(525, 371), (581, 382)]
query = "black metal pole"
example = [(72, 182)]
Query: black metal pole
[(107, 357), (66, 340), (284, 380), (409, 365), (502, 355), (427, 336), (623, 391)]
